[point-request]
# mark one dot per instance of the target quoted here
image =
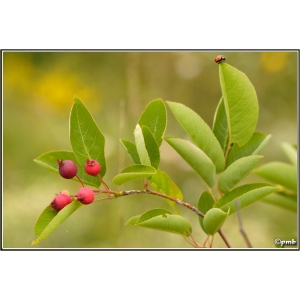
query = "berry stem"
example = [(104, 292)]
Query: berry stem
[(106, 186), (80, 180)]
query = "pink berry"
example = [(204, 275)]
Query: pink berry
[(92, 167), (60, 201), (85, 195), (67, 168)]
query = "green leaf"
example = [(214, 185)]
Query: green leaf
[(132, 151), (49, 161), (146, 150), (282, 200), (161, 219), (220, 125), (153, 213), (161, 182), (200, 133), (155, 118), (254, 146), (205, 203), (196, 158), (44, 219), (48, 221), (214, 219), (246, 194), (237, 171), (241, 104), (280, 173), (86, 139), (290, 152), (134, 172), (133, 220), (151, 147), (140, 146)]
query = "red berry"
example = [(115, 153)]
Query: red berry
[(67, 168), (60, 201), (92, 167), (85, 195)]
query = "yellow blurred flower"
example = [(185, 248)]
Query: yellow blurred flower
[(274, 61), (17, 72), (56, 86), (59, 88)]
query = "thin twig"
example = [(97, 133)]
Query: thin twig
[(211, 193), (228, 148), (196, 245), (206, 240), (242, 230), (150, 192), (189, 241), (106, 186), (224, 238), (79, 180)]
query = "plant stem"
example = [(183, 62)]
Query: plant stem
[(242, 231), (211, 193), (79, 180), (224, 238), (106, 186), (193, 208), (196, 245), (228, 148), (150, 192)]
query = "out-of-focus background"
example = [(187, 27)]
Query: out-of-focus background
[(38, 91)]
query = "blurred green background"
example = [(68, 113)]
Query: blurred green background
[(38, 90)]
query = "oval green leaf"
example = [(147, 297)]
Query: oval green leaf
[(220, 126), (200, 133), (86, 139), (134, 172), (290, 152), (44, 219), (196, 158), (205, 203), (151, 147), (214, 219), (155, 118), (49, 161), (241, 104), (237, 171), (161, 219), (152, 213), (132, 151), (285, 201), (280, 173), (246, 194), (48, 222), (161, 182), (140, 146), (255, 145)]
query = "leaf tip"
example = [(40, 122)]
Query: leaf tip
[(35, 242), (77, 100)]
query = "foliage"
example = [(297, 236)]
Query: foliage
[(222, 156), (283, 175)]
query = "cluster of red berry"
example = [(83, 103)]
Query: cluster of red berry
[(68, 169)]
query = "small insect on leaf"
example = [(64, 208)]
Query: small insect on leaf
[(164, 216), (220, 58)]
